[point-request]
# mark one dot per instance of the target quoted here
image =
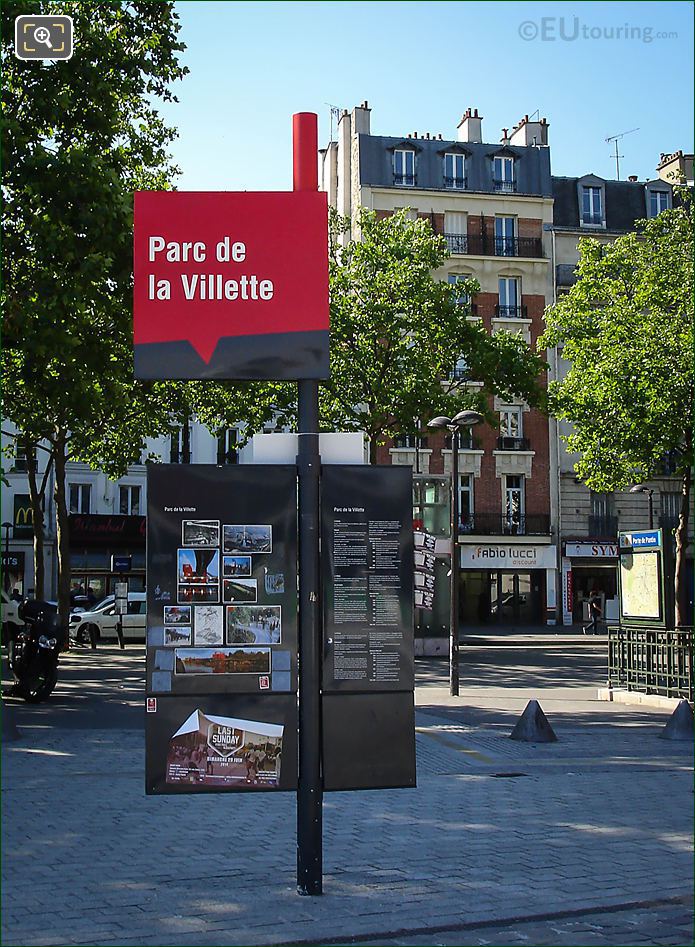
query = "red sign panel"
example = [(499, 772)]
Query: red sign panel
[(231, 285)]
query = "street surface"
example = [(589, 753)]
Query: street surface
[(581, 842)]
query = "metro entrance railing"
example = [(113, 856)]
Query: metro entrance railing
[(651, 660)]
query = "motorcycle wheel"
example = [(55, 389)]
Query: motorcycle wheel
[(39, 686)]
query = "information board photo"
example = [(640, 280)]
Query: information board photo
[(221, 626)]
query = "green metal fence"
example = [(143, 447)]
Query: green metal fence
[(651, 660)]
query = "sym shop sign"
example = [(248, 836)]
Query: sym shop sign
[(508, 556), (231, 285)]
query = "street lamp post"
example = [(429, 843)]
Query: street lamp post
[(640, 488), (6, 572), (454, 425)]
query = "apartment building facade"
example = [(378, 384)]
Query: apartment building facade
[(492, 202), (589, 522), (107, 517)]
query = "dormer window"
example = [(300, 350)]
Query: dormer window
[(658, 201), (404, 168), (454, 171), (503, 173), (592, 210)]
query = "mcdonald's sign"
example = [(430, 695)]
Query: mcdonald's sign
[(23, 516)]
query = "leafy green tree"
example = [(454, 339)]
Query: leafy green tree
[(78, 138), (626, 329), (401, 346)]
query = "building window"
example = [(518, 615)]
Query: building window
[(227, 449), (80, 497), (670, 510), (503, 174), (466, 519), (465, 439), (462, 298), (658, 201), (456, 231), (461, 369), (20, 457), (509, 297), (603, 523), (454, 171), (511, 420), (404, 168), (505, 236), (410, 442), (513, 505), (129, 500), (591, 206), (180, 446)]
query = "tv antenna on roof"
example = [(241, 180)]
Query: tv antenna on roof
[(335, 113), (616, 155)]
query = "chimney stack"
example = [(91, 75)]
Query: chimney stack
[(361, 119), (530, 133), (470, 128)]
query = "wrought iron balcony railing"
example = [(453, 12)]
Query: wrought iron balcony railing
[(511, 312), (485, 245), (497, 524), (404, 180), (456, 184), (513, 443), (508, 187), (457, 242), (593, 219)]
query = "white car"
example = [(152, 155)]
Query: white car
[(103, 618)]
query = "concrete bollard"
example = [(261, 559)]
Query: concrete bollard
[(533, 726), (680, 724)]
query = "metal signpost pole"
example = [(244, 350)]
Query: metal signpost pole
[(454, 630), (310, 790)]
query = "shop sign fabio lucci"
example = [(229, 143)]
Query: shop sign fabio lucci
[(231, 285), (506, 557)]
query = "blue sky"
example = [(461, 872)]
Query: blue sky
[(421, 65)]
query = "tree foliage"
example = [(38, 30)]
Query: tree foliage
[(398, 334), (78, 137), (626, 330)]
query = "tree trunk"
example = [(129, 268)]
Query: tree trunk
[(62, 529), (372, 449), (36, 498), (681, 539)]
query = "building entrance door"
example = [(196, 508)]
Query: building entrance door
[(515, 597)]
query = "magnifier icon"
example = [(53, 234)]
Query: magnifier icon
[(43, 35)]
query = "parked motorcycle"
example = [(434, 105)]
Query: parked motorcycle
[(33, 650)]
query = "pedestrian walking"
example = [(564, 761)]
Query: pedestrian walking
[(595, 612)]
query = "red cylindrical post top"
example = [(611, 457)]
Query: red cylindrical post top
[(305, 144)]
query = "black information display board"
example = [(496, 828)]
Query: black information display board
[(221, 628), (367, 554), (368, 665)]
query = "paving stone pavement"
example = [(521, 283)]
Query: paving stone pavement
[(588, 842)]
